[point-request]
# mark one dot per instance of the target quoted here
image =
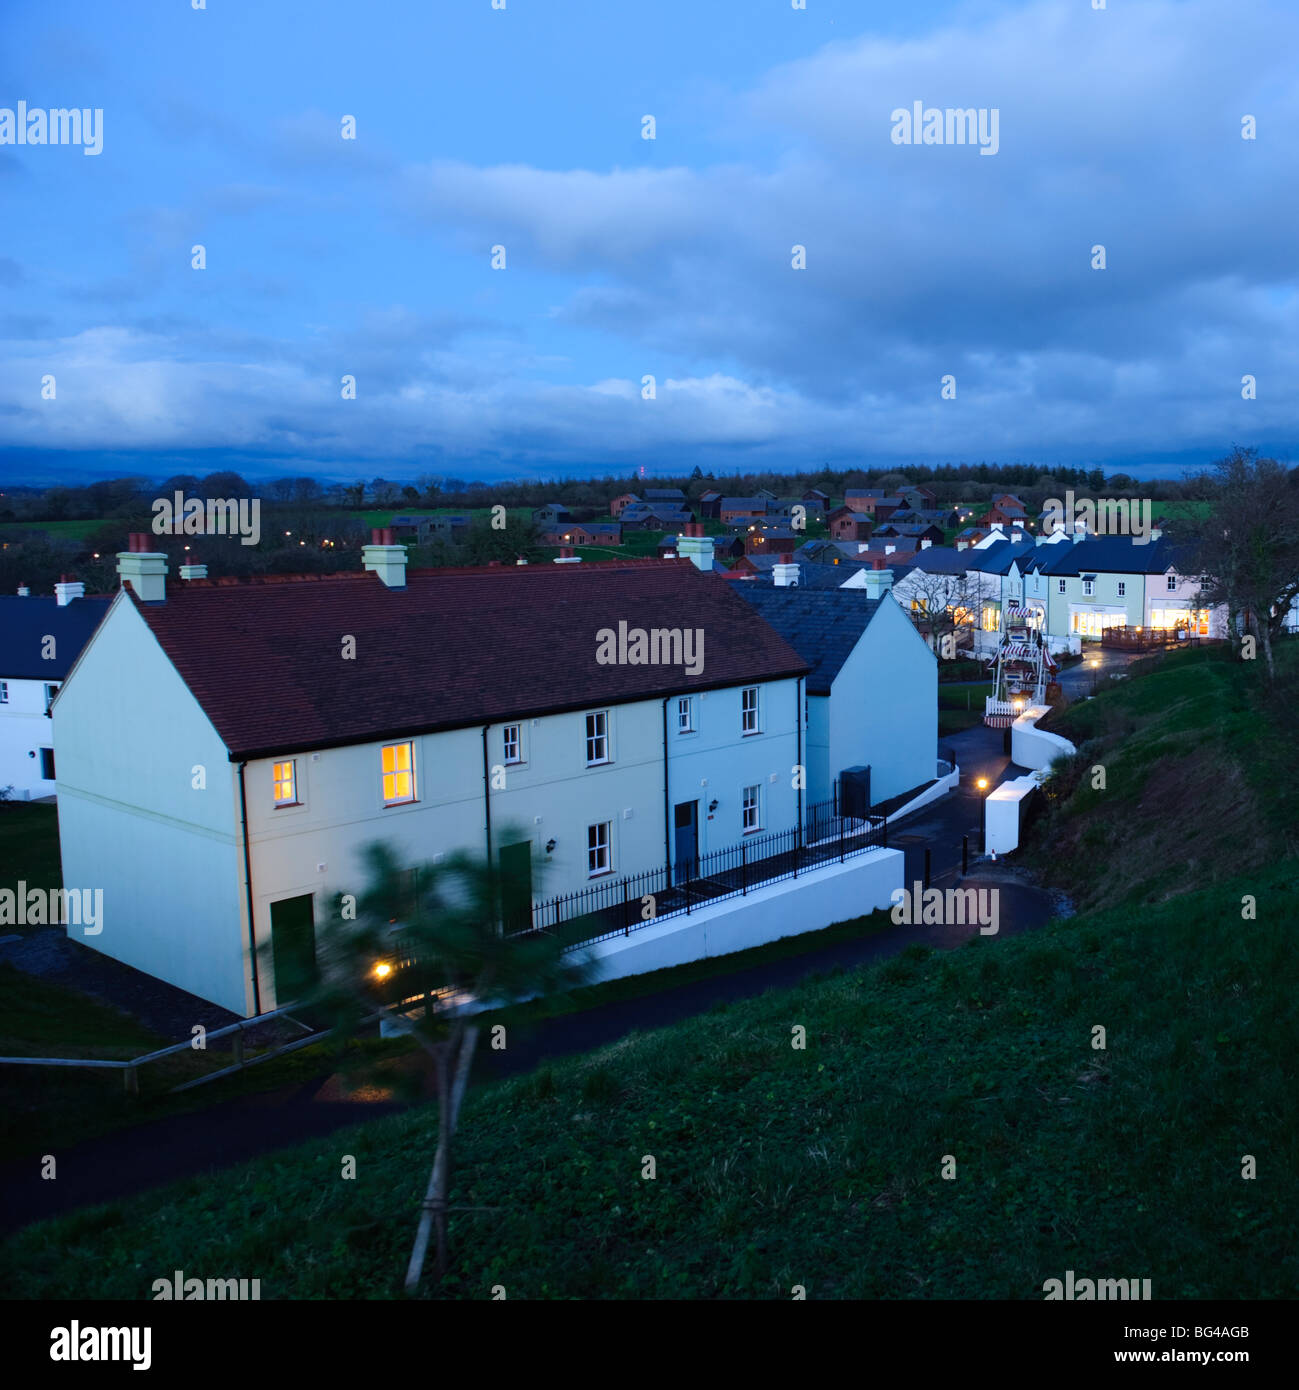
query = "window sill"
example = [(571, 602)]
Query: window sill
[(602, 762), (600, 873), (288, 805), (406, 801)]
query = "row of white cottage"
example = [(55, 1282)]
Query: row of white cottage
[(1075, 586), (227, 749)]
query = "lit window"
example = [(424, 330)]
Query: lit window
[(597, 738), (749, 710), (685, 715), (398, 773), (750, 818), (597, 848), (512, 743), (285, 783)]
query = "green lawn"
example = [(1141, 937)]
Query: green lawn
[(29, 846), (777, 1166), (1194, 753), (63, 530)]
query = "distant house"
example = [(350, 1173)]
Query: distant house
[(423, 527), (710, 505), (551, 514), (918, 497), (862, 499), (971, 536), (643, 516), (770, 540), (671, 495), (814, 497), (40, 640), (1006, 510), (735, 509), (872, 694), (622, 501), (850, 526), (931, 534), (584, 533)]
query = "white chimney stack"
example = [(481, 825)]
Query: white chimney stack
[(694, 546), (193, 571), (878, 582), (143, 569), (24, 591), (67, 589), (384, 558), (785, 574), (566, 556)]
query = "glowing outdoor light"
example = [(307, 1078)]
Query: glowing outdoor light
[(982, 784), (382, 970)]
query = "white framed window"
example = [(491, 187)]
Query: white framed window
[(1172, 583), (685, 715), (1123, 588), (749, 710), (597, 738), (1089, 587), (50, 692), (398, 773), (599, 859), (1061, 584), (284, 781), (4, 692), (512, 743), (751, 808)]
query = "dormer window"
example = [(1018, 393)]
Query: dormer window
[(1172, 583)]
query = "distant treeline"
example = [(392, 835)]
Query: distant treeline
[(129, 498)]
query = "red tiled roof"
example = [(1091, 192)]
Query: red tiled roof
[(455, 647)]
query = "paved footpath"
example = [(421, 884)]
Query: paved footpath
[(161, 1151)]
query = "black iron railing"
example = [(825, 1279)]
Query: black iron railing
[(618, 906)]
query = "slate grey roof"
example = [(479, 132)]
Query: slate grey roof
[(1110, 555), (822, 625), (942, 559), (997, 558), (25, 623)]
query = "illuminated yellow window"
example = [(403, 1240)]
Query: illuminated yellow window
[(285, 782), (398, 775)]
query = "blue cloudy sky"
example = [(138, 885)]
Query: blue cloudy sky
[(625, 257)]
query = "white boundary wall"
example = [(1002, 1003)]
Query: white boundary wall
[(1032, 747), (816, 899)]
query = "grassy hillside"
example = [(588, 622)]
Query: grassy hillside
[(1196, 758), (777, 1166)]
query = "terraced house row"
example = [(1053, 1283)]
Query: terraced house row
[(228, 748)]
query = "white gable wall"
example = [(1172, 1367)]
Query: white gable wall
[(132, 823), (884, 706)]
